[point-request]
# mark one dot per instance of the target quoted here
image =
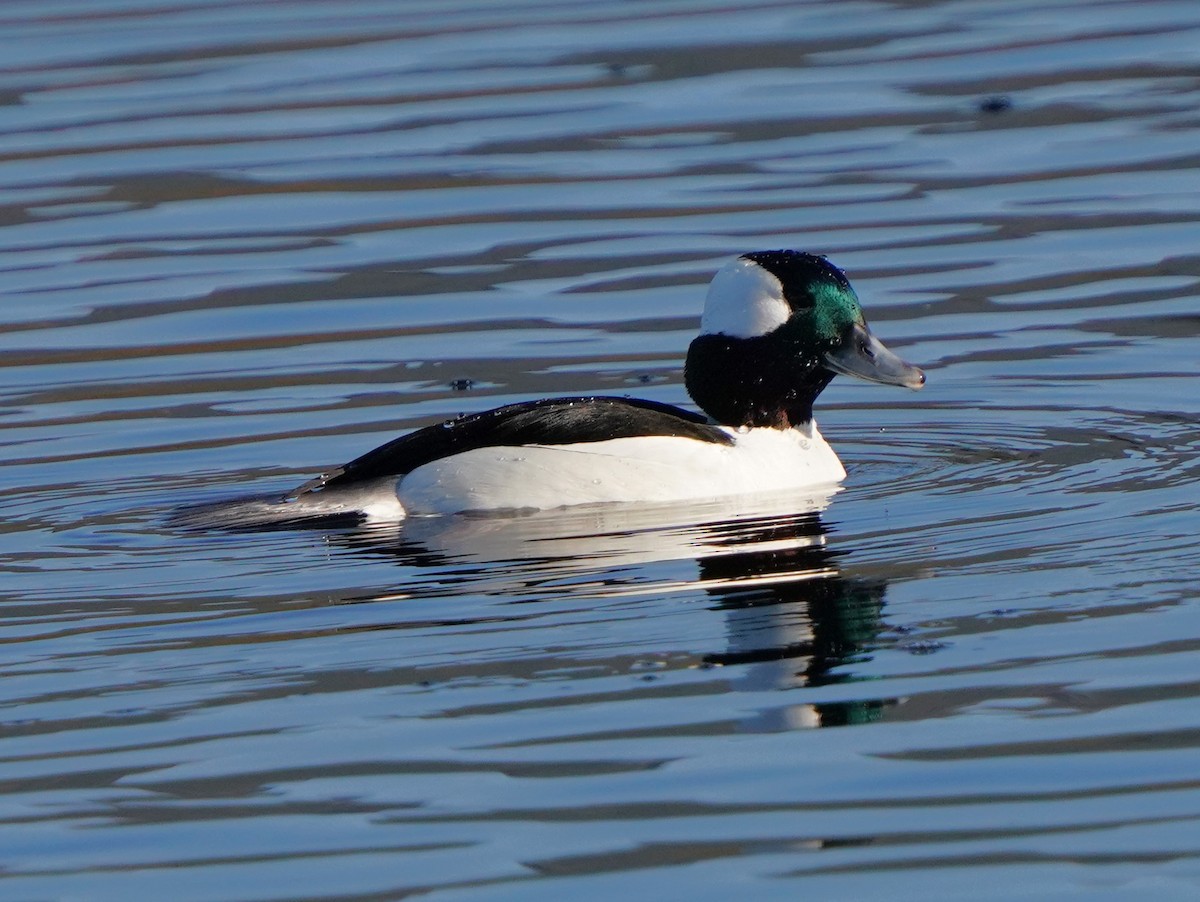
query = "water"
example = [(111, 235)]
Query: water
[(241, 243)]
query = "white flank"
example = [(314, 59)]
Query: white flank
[(647, 469), (744, 301)]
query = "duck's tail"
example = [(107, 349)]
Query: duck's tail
[(325, 509)]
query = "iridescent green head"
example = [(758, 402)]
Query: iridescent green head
[(777, 326), (822, 304)]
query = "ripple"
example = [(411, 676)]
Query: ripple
[(244, 242)]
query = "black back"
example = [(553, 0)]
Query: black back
[(550, 421)]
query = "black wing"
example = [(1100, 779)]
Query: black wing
[(551, 421)]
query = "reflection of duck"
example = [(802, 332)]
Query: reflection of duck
[(777, 327), (796, 621), (598, 538), (792, 618)]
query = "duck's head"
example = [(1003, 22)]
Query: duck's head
[(777, 327)]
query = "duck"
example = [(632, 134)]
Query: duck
[(777, 327)]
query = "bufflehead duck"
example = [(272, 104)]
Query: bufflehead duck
[(777, 327)]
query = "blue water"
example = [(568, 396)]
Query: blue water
[(242, 243)]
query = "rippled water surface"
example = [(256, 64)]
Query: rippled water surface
[(242, 242)]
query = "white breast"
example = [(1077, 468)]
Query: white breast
[(627, 470)]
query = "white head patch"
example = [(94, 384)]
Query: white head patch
[(744, 301)]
